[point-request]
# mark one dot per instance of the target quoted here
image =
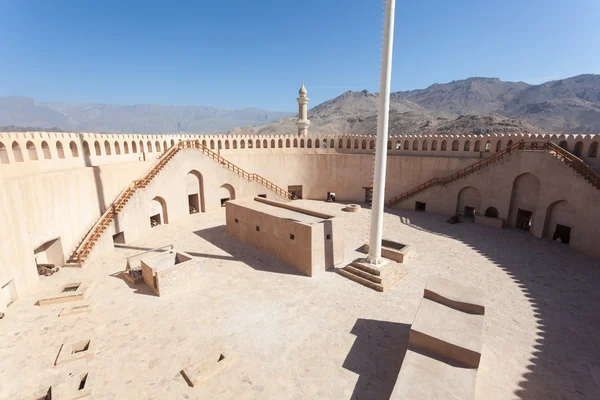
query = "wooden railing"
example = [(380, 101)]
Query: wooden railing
[(93, 235), (574, 162)]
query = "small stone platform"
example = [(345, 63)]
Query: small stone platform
[(376, 278)]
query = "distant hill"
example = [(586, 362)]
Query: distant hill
[(139, 118), (13, 128), (470, 106)]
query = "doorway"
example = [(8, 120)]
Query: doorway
[(469, 212), (193, 203), (524, 219), (295, 191), (563, 233)]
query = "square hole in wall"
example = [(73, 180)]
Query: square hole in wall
[(420, 206), (236, 221), (329, 236), (257, 228), (71, 287), (119, 238), (292, 236)]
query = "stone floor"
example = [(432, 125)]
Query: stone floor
[(294, 337)]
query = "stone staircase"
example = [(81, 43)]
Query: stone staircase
[(577, 164), (85, 246), (378, 279)]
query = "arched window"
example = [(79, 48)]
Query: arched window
[(578, 150), (149, 146), (455, 145), (488, 146), (444, 145), (226, 144), (266, 144), (106, 148), (74, 151), (499, 145), (165, 146), (212, 144), (348, 144), (477, 146), (434, 145), (295, 142), (332, 144), (172, 142), (415, 145), (424, 145), (234, 144), (250, 144), (117, 148), (356, 143), (86, 149), (272, 143), (258, 143), (564, 145), (389, 145), (219, 145), (133, 147), (204, 142), (510, 143), (17, 154), (31, 150), (46, 150), (141, 146), (242, 144), (125, 147), (593, 151), (398, 145), (287, 143), (467, 146), (97, 148), (364, 144), (491, 212), (157, 146), (301, 143), (60, 151), (406, 144), (280, 143), (3, 154), (341, 144), (317, 144), (309, 143), (372, 145)]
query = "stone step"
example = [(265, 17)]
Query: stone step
[(363, 274), (362, 281), (366, 267)]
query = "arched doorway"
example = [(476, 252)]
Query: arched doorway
[(523, 201), (559, 222), (195, 192), (226, 193), (468, 203), (158, 212)]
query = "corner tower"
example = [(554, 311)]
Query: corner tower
[(302, 123)]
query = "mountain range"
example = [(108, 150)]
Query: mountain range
[(470, 106), (138, 118)]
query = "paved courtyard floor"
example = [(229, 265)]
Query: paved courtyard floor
[(293, 337)]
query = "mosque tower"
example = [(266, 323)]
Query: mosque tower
[(302, 123)]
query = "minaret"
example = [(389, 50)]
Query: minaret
[(302, 123)]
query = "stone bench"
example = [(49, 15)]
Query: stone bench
[(445, 344)]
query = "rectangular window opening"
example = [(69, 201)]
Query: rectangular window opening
[(236, 221), (71, 288), (257, 228), (329, 236), (420, 206), (292, 236)]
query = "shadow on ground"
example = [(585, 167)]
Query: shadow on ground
[(562, 287), (376, 356), (255, 259)]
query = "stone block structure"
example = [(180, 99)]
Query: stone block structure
[(309, 241), (169, 272)]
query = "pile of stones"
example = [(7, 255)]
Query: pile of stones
[(47, 269)]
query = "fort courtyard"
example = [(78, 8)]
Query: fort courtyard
[(289, 336)]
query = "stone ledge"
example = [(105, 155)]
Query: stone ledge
[(83, 290), (454, 295)]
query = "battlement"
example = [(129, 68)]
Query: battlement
[(48, 151)]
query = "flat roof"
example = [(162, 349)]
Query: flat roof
[(272, 208)]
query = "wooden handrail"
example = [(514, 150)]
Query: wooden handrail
[(106, 218), (576, 163)]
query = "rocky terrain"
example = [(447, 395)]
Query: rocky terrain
[(470, 106)]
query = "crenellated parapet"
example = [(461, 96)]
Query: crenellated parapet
[(47, 151)]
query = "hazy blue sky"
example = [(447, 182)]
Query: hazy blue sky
[(254, 53)]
